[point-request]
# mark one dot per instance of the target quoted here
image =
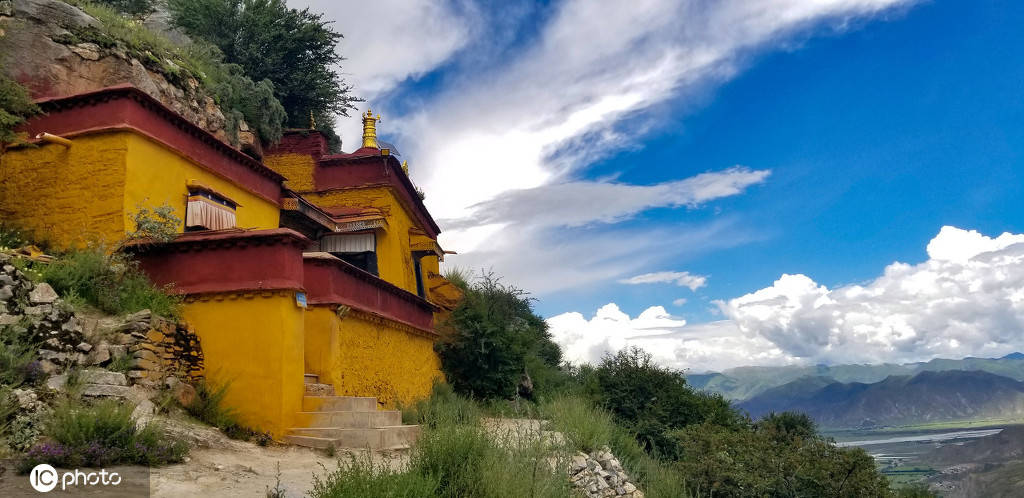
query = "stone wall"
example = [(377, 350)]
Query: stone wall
[(41, 46), (161, 349)]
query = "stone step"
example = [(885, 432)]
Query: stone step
[(319, 390), (350, 419), (311, 378), (401, 436), (338, 403)]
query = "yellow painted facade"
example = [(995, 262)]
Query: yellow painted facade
[(66, 196), (158, 175), (297, 168), (87, 193), (254, 342), (365, 356), (394, 253)]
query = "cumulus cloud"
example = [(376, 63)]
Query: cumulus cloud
[(679, 302), (966, 299), (672, 342), (680, 278)]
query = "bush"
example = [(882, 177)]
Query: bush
[(362, 478), (112, 283), (729, 462), (99, 435), (490, 340), (208, 407), (651, 400), (15, 107), (18, 363)]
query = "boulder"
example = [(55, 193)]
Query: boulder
[(105, 390), (103, 377), (184, 394), (57, 382), (42, 294)]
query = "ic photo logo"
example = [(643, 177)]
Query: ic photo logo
[(44, 478)]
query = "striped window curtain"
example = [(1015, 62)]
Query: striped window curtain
[(348, 242), (208, 214)]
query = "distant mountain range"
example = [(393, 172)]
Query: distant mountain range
[(926, 397), (746, 382)]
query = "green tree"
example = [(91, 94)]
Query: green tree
[(15, 108), (652, 400), (294, 49), (492, 339)]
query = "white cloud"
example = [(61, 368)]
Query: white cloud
[(499, 144), (680, 278), (679, 302), (966, 299), (672, 342)]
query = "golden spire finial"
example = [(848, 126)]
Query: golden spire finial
[(405, 167), (370, 129), (312, 122)]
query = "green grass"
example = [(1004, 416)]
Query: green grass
[(112, 283), (208, 407), (455, 457), (100, 434), (588, 427)]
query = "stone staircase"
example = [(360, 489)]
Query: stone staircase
[(347, 422)]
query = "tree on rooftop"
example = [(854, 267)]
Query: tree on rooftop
[(294, 49)]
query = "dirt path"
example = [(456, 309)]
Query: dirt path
[(219, 466)]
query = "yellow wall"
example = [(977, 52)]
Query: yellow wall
[(394, 252), (255, 342), (66, 196), (297, 168), (157, 175), (364, 357)]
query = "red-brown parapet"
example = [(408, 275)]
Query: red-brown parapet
[(125, 107), (330, 280), (225, 261)]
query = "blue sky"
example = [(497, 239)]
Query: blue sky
[(709, 148)]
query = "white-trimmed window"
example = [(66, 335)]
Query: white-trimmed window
[(359, 249), (208, 210)]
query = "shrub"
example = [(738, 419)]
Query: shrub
[(208, 406), (18, 363), (729, 462), (102, 434), (487, 342), (15, 107), (651, 400), (362, 478), (112, 283)]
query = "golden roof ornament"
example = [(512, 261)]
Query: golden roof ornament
[(312, 122), (370, 129), (405, 167)]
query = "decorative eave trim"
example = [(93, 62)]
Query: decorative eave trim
[(56, 104), (378, 319), (222, 239)]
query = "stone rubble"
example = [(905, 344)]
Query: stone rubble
[(600, 475), (158, 352)]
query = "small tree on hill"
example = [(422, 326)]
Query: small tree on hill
[(294, 49), (493, 339)]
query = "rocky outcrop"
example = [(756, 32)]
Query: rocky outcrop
[(49, 47), (600, 475)]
